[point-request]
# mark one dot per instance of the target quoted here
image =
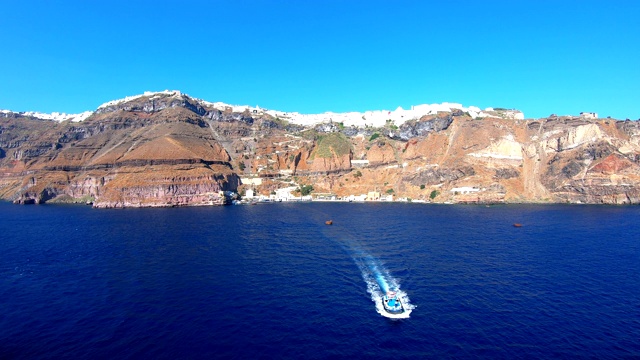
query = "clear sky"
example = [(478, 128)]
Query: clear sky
[(542, 56)]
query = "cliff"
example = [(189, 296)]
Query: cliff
[(151, 152), (168, 149)]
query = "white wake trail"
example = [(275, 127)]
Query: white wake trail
[(379, 281)]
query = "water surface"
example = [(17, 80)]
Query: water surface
[(273, 281)]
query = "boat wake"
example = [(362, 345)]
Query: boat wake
[(379, 282), (378, 279)]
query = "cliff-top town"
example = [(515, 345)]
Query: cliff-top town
[(169, 149)]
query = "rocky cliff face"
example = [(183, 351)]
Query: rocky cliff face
[(170, 150), (159, 152)]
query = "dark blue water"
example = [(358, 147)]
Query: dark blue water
[(272, 281)]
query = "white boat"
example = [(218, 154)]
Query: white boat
[(392, 304)]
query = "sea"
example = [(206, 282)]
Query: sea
[(273, 281)]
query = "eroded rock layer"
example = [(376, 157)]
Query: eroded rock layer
[(173, 150)]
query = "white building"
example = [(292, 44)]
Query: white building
[(359, 198), (285, 194), (359, 163), (589, 115), (465, 190), (251, 181)]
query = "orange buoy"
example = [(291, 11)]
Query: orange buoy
[(329, 222)]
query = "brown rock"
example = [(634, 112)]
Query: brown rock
[(173, 150)]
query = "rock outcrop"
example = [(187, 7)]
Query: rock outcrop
[(145, 153), (168, 149)]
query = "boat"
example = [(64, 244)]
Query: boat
[(392, 304), (329, 222), (517, 225)]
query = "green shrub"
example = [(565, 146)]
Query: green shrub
[(374, 136), (306, 189), (433, 194), (332, 143)]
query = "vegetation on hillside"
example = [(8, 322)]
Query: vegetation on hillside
[(332, 143), (304, 190)]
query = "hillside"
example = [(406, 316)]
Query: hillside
[(168, 149)]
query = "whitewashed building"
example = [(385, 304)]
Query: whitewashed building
[(285, 194), (589, 115), (465, 190)]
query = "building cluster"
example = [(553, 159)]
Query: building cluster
[(373, 118), (289, 194), (292, 193), (399, 116)]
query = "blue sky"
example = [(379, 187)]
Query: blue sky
[(541, 57)]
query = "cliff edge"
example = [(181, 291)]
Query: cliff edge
[(168, 149)]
